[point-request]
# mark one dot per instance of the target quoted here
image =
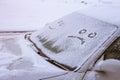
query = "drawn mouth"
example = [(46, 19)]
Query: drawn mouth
[(82, 40)]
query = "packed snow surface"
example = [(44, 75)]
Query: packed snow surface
[(73, 38)]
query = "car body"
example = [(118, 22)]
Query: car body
[(70, 48)]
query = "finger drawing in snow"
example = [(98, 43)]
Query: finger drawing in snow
[(82, 40)]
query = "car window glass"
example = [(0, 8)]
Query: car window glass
[(73, 38), (113, 51)]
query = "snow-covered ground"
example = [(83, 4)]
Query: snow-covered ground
[(33, 14)]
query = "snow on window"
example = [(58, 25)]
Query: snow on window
[(71, 39)]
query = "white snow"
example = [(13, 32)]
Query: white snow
[(105, 13), (33, 14), (65, 43), (26, 65)]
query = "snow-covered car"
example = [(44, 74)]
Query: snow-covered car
[(79, 46)]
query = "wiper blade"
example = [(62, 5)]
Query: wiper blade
[(27, 36), (65, 67), (60, 65)]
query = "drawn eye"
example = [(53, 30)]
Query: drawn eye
[(50, 27), (82, 31), (54, 26), (60, 23), (92, 35)]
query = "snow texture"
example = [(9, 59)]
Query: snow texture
[(33, 14), (73, 38), (18, 61)]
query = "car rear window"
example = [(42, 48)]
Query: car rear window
[(72, 39)]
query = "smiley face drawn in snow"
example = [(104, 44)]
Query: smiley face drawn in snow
[(83, 31), (61, 23)]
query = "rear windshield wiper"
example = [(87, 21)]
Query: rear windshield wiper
[(60, 65)]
